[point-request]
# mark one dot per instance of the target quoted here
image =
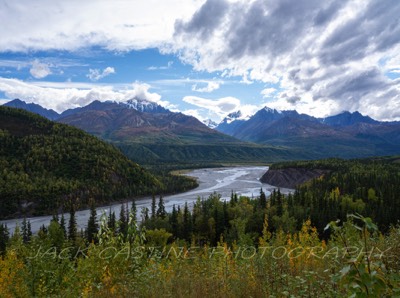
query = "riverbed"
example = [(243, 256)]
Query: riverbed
[(241, 180)]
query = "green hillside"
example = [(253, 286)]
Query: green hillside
[(208, 154), (44, 164)]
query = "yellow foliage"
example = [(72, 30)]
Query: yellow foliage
[(12, 272)]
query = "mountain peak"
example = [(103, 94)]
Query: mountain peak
[(269, 110), (145, 106), (347, 118), (210, 123), (32, 107)]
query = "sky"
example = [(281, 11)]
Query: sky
[(205, 58)]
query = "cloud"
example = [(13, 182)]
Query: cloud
[(168, 66), (73, 25), (267, 92), (324, 56), (194, 113), (60, 99), (39, 70), (97, 74), (210, 87), (217, 109), (219, 106)]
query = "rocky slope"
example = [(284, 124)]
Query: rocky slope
[(290, 177)]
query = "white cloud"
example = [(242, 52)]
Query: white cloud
[(168, 66), (39, 70), (210, 87), (217, 109), (219, 106), (194, 113), (267, 92), (60, 99), (97, 74), (73, 24)]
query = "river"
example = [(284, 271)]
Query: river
[(241, 180)]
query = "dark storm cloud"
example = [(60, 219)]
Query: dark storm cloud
[(272, 27), (327, 14), (376, 29), (205, 20), (358, 84)]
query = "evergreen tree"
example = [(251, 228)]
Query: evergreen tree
[(153, 207), (93, 226), (55, 218), (4, 237), (234, 199), (161, 213), (111, 220), (72, 226), (62, 225), (187, 224), (123, 221), (279, 203), (173, 220), (24, 231), (134, 210), (42, 232), (145, 214), (29, 232), (263, 199)]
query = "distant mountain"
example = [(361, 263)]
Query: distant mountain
[(152, 135), (45, 164), (123, 122), (347, 119), (210, 123), (145, 106), (32, 107), (165, 137), (344, 135), (139, 105), (231, 123)]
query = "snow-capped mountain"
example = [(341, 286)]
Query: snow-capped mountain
[(210, 123), (231, 122), (144, 106)]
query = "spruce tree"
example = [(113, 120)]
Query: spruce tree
[(93, 226), (279, 203), (153, 207), (187, 224), (263, 199), (161, 213), (72, 226), (173, 220), (123, 221), (62, 225), (111, 220), (4, 237), (134, 210), (145, 214), (24, 230)]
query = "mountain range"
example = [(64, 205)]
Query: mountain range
[(344, 135), (151, 134)]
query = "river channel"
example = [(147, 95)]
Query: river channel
[(243, 180)]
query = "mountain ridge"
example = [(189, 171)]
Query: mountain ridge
[(345, 135)]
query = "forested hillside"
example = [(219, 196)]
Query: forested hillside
[(43, 165), (370, 187)]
